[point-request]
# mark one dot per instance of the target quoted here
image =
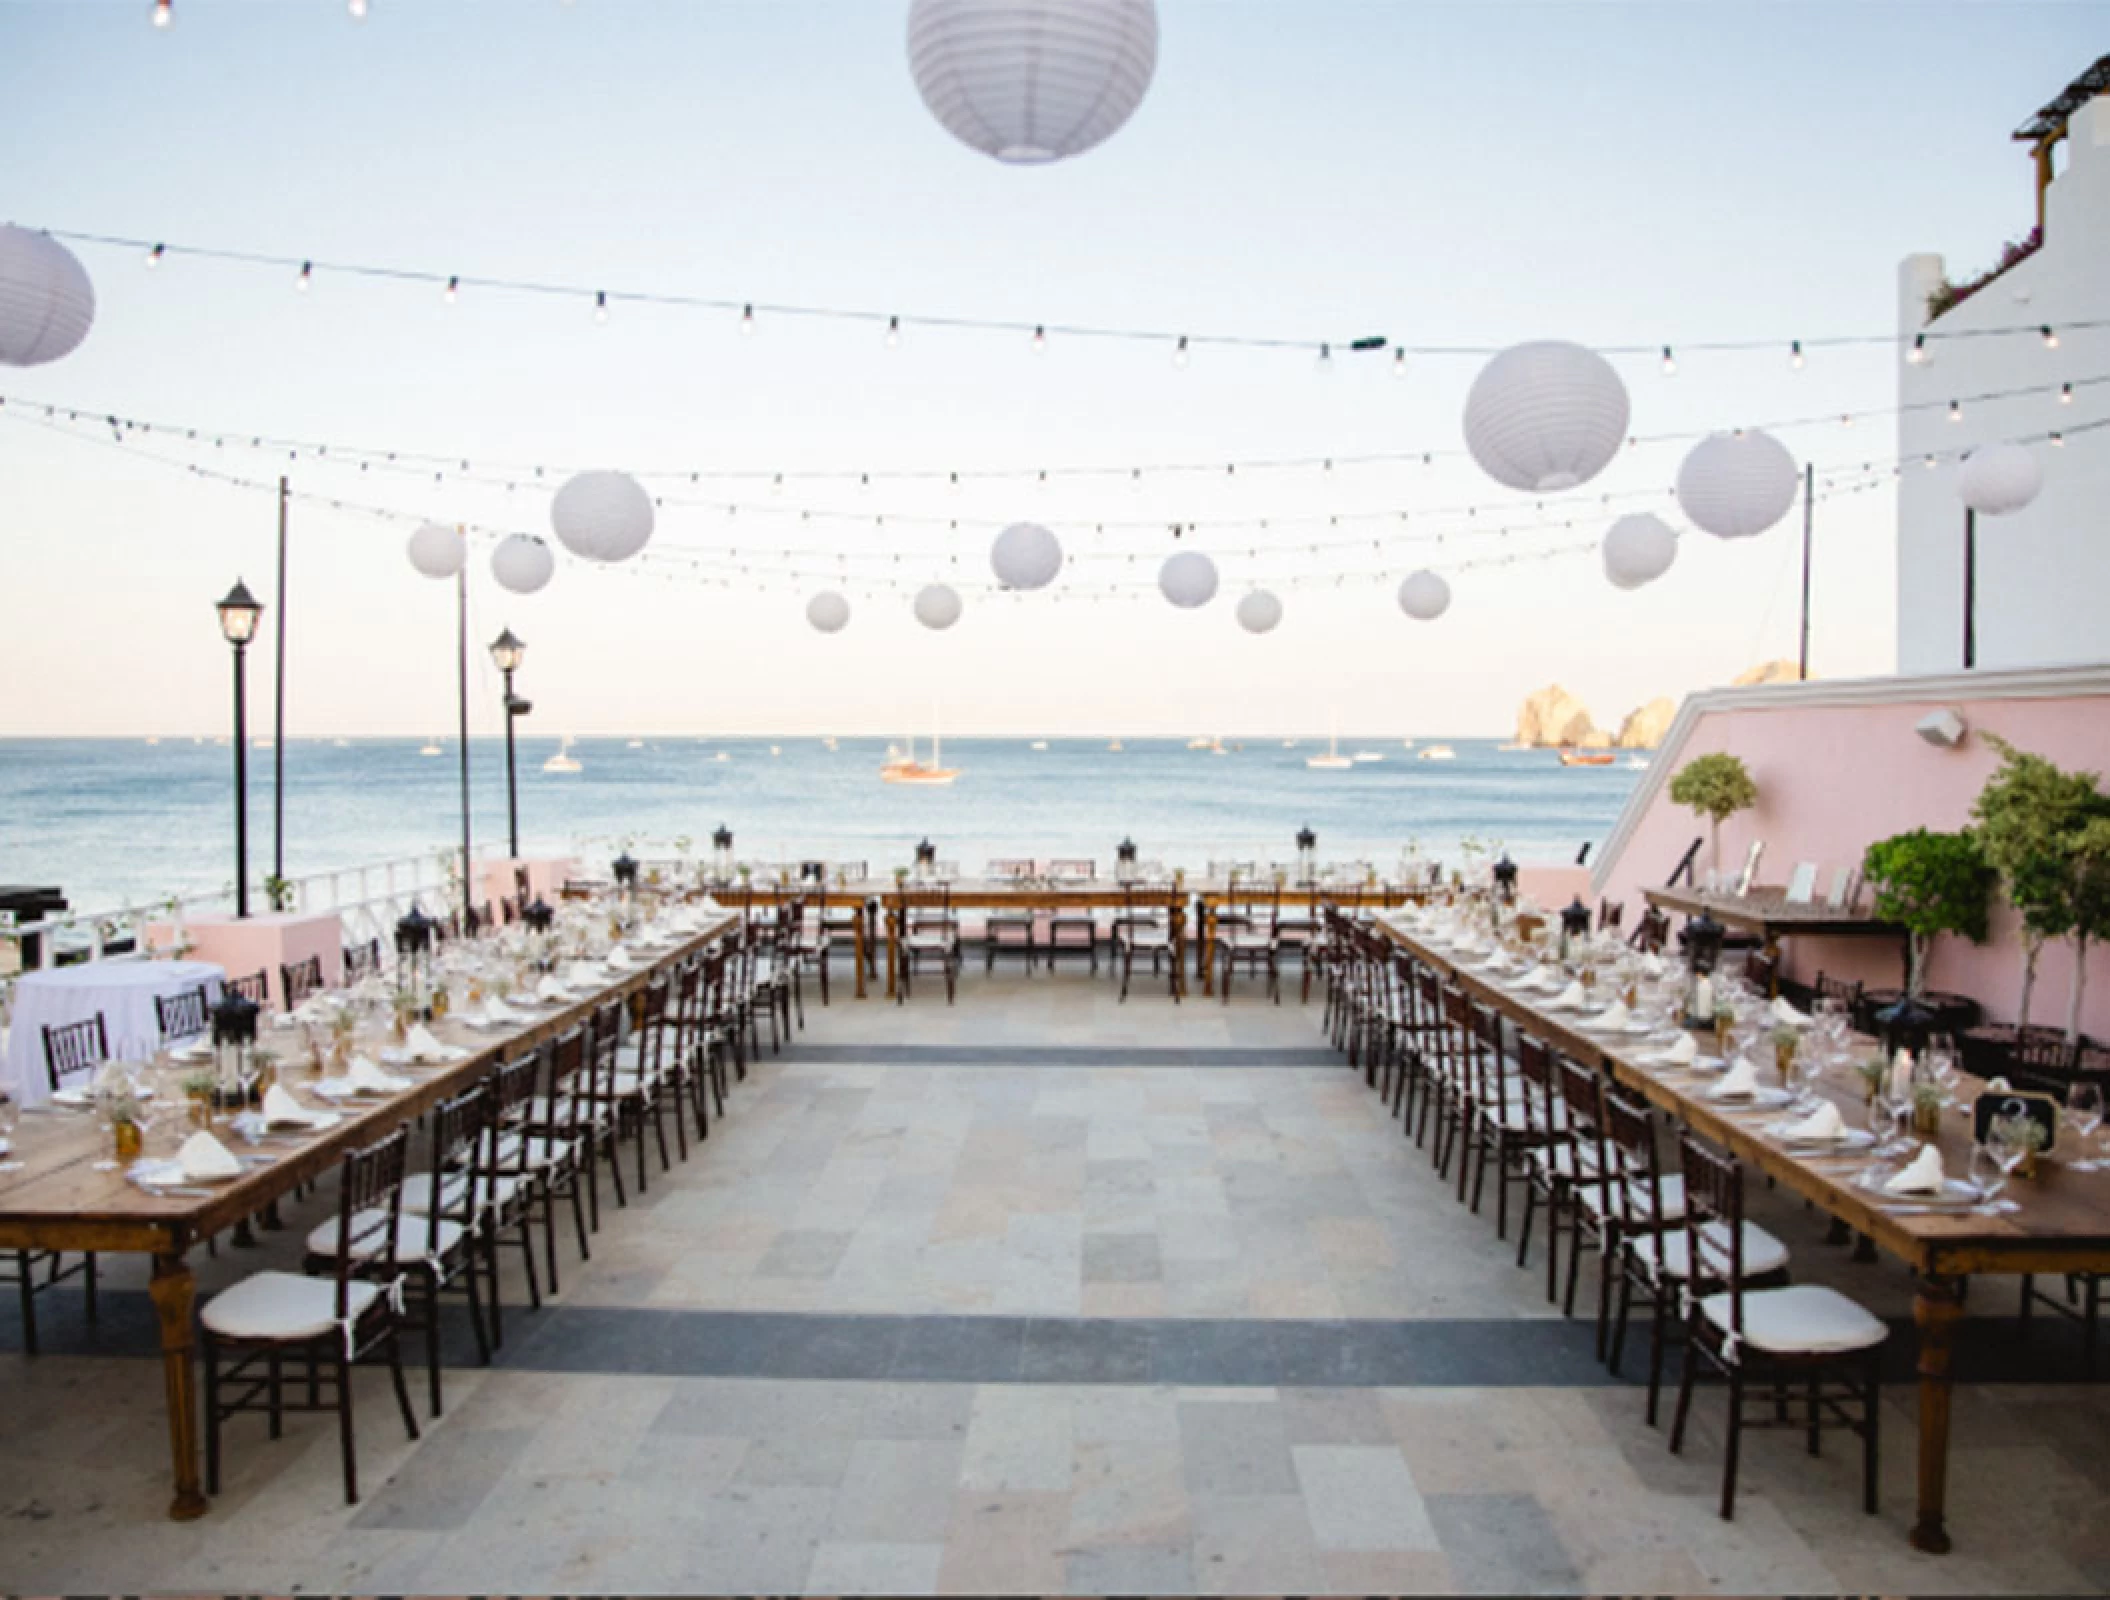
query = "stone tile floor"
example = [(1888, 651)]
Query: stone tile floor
[(1041, 1293)]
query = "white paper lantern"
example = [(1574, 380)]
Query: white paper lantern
[(1026, 556), (1030, 81), (522, 563), (1546, 415), (1188, 579), (46, 301), (937, 606), (1737, 485), (603, 516), (438, 550), (1999, 479), (1259, 611), (1424, 596), (828, 611), (1638, 549)]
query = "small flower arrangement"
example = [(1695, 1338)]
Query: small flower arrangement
[(1873, 1071), (2024, 1133)]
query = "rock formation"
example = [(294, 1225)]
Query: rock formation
[(1768, 672), (1552, 716), (1645, 726)]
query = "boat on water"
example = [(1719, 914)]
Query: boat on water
[(1206, 742), (262, 742), (431, 747), (829, 742), (1114, 745), (1368, 755), (1038, 744), (1586, 758), (563, 760), (907, 769), (1406, 744), (1516, 747), (1636, 763), (721, 756), (1333, 760), (636, 744), (153, 738), (1436, 752), (341, 744), (776, 750)]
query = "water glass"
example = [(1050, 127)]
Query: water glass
[(10, 1120), (1989, 1176), (2084, 1113)]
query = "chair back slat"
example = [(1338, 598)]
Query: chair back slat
[(181, 1015), (369, 1207), (300, 979), (254, 987), (75, 1049), (1714, 1219), (1630, 1142)]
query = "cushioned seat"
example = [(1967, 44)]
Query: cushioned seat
[(283, 1306), (417, 1192), (413, 1237), (1763, 1254), (1803, 1319)]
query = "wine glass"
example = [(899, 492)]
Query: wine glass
[(2009, 1151), (2084, 1113), (10, 1119), (1989, 1177)]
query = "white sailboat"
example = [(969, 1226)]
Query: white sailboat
[(1333, 760), (910, 770), (563, 760)]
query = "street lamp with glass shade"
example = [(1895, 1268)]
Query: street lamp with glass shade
[(239, 613), (507, 653)]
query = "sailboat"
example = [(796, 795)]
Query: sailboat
[(431, 747), (563, 760), (1333, 760), (908, 769)]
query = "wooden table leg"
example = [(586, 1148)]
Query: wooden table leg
[(174, 1291), (1178, 929), (893, 919), (857, 950), (1205, 931), (1936, 1308)]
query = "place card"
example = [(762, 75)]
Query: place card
[(1996, 1104)]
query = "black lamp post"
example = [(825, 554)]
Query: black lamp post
[(1506, 879), (538, 915), (1307, 857), (506, 655), (1125, 859), (722, 850), (926, 859), (238, 618)]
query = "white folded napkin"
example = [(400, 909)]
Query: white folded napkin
[(1569, 999), (617, 956), (498, 1014), (1921, 1175), (1682, 1051), (196, 1050), (1787, 1016), (420, 1045), (1822, 1126), (550, 989), (1499, 962), (1550, 981), (366, 1078), (205, 1158), (1652, 965), (711, 908), (281, 1110), (1532, 979), (1615, 1018), (1740, 1082), (580, 975)]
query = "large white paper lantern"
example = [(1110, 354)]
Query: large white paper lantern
[(1999, 479), (438, 550), (1737, 485), (937, 606), (1424, 596), (522, 563), (603, 516), (1259, 611), (1188, 579), (1545, 415), (1030, 81), (1026, 556), (46, 301), (1638, 549), (828, 611)]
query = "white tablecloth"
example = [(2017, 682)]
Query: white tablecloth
[(123, 991)]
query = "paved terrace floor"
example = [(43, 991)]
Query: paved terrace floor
[(1043, 1293)]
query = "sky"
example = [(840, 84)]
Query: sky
[(1440, 174)]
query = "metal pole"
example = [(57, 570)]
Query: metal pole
[(1970, 588), (241, 788), (461, 594), (1809, 479), (512, 786), (278, 707)]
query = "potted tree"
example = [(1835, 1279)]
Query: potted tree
[(2091, 907), (1715, 786), (1930, 883)]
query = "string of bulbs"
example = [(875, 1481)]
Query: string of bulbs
[(304, 271)]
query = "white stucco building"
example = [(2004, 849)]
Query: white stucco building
[(2043, 574)]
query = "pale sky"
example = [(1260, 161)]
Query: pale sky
[(1441, 174)]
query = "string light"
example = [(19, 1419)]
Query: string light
[(747, 319), (1955, 411), (2058, 439), (2065, 394), (1919, 355), (454, 289), (154, 256), (893, 333), (1670, 363), (2051, 339), (164, 13), (1795, 354), (1399, 362), (357, 8), (1040, 337), (1326, 358), (600, 305), (1179, 352), (307, 276)]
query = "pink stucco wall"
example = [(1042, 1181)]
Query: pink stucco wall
[(1832, 779)]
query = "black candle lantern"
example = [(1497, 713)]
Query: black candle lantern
[(1905, 1025), (1307, 856), (1703, 953), (1125, 859), (538, 915), (625, 869), (413, 946), (722, 851), (926, 859), (1506, 879), (1575, 925), (233, 1044)]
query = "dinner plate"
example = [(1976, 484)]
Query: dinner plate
[(1956, 1194), (168, 1172), (1759, 1099), (397, 1056), (197, 1051), (1848, 1139), (1632, 1025), (84, 1099)]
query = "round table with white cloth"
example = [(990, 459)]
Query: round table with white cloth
[(123, 991)]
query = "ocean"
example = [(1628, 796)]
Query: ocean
[(116, 822)]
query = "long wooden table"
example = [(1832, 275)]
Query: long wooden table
[(1769, 914), (1004, 894), (2063, 1226), (58, 1201), (1299, 900)]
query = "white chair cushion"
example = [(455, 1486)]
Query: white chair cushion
[(417, 1192), (1803, 1319), (283, 1306), (1762, 1252), (413, 1238)]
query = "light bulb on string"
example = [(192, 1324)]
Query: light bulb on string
[(1919, 355), (1670, 363), (893, 333), (1399, 362), (1795, 354), (1179, 352), (1955, 411), (154, 256), (454, 290), (1326, 358), (2051, 339), (307, 276), (1040, 337), (2065, 394), (600, 305), (357, 8), (747, 320), (2058, 440), (164, 13)]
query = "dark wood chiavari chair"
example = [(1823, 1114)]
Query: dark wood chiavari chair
[(931, 933), (182, 1015), (255, 987), (298, 980), (1252, 937), (1078, 930), (74, 1050), (1144, 929), (1006, 929)]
